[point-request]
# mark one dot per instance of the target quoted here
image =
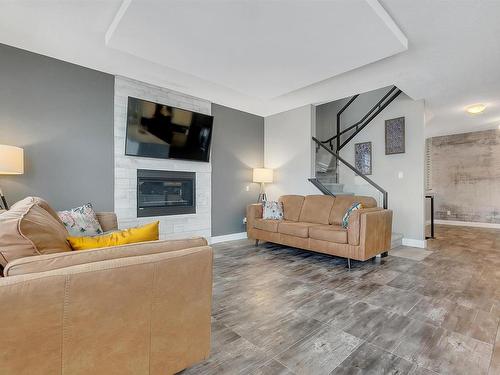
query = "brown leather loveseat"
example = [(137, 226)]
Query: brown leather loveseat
[(314, 222)]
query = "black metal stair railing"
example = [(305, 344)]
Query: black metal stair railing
[(387, 99), (353, 129), (352, 168)]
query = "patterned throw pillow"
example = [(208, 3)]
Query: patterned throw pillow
[(350, 210), (272, 210), (81, 221)]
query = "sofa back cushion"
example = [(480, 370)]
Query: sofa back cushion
[(292, 205), (343, 202), (316, 209), (28, 229), (45, 205), (107, 220)]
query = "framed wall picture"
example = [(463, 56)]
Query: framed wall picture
[(363, 157), (395, 136)]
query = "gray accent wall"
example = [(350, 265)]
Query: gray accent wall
[(237, 147), (62, 115), (465, 170)]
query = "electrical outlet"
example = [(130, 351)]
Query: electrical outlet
[(448, 213), (244, 220), (247, 188)]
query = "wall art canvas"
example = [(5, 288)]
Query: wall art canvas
[(363, 157), (395, 136)]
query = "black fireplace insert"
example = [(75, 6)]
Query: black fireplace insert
[(162, 193)]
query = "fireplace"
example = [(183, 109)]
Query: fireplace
[(161, 193)]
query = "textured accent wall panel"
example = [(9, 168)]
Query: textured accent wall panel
[(466, 176)]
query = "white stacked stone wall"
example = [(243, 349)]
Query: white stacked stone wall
[(174, 226)]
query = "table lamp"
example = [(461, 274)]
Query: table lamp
[(262, 176), (11, 162)]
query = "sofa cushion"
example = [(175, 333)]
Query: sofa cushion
[(342, 204), (107, 220), (27, 229), (268, 225), (316, 209), (295, 228), (330, 233), (144, 233), (45, 205), (292, 205)]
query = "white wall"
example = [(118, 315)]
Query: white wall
[(326, 119), (406, 195), (288, 150)]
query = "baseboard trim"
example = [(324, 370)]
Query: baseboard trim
[(468, 224), (415, 243), (229, 237)]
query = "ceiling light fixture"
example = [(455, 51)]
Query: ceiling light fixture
[(474, 109)]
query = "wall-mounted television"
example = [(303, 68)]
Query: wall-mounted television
[(161, 131)]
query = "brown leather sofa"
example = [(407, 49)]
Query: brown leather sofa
[(314, 222), (133, 309)]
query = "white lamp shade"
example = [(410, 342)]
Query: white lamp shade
[(262, 175), (11, 160)]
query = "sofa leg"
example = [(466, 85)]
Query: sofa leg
[(256, 243), (349, 264), (384, 254)]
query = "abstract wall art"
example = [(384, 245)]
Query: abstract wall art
[(395, 136), (363, 157)]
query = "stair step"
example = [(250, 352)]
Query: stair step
[(396, 240), (327, 177), (333, 186)]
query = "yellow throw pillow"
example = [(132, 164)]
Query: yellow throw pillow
[(148, 232)]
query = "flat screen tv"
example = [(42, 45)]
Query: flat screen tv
[(161, 131)]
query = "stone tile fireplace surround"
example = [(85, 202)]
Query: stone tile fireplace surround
[(172, 226)]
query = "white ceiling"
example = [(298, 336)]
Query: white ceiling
[(262, 49), (452, 60)]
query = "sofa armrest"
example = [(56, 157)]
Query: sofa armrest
[(254, 211), (107, 220), (152, 310), (376, 232), (41, 263), (354, 227)]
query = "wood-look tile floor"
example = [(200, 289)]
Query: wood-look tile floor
[(280, 310)]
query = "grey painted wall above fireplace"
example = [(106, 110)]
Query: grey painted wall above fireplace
[(62, 115)]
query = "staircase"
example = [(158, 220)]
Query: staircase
[(328, 158), (329, 180), (327, 164)]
